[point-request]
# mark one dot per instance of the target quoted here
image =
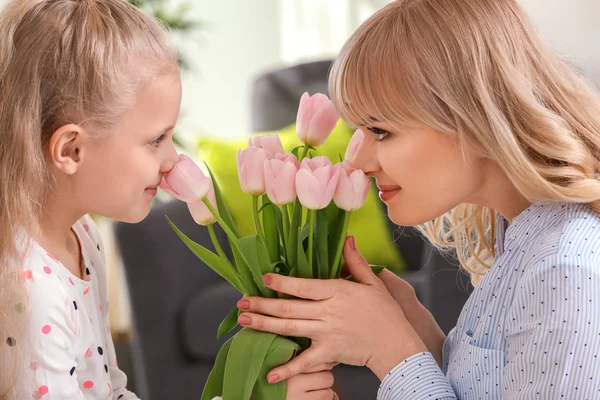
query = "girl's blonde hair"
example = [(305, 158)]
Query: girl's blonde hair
[(476, 69), (61, 62)]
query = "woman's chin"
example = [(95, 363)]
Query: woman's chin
[(412, 216), (404, 219)]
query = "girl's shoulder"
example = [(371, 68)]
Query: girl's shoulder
[(86, 228), (90, 238)]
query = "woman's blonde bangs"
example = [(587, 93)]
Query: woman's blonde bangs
[(375, 78)]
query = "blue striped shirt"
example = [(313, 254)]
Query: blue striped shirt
[(531, 328)]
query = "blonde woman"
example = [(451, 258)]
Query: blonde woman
[(90, 93), (476, 132)]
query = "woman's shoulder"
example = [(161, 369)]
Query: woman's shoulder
[(570, 235), (580, 231)]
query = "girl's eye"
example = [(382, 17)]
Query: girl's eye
[(380, 133), (156, 142)]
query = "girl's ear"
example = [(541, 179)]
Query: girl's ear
[(66, 148)]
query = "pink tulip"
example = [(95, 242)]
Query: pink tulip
[(271, 143), (280, 178), (186, 181), (316, 119), (200, 211), (316, 182), (251, 169), (352, 188), (354, 145)]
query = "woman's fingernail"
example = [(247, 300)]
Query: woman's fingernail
[(352, 242), (273, 378), (243, 304), (244, 320), (267, 280)]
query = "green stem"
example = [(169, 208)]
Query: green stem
[(304, 152), (295, 226), (311, 233), (257, 225), (215, 242), (220, 220), (286, 223), (335, 267), (217, 245)]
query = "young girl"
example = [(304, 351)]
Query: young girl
[(90, 94), (474, 130)]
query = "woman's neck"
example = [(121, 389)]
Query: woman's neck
[(499, 193)]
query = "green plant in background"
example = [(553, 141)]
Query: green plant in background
[(177, 21)]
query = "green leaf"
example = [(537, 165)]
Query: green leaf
[(229, 322), (304, 269), (271, 229), (216, 263), (281, 351), (375, 268), (280, 268), (255, 254), (245, 272), (296, 150), (214, 383), (292, 244), (335, 236), (304, 343), (321, 233), (333, 213), (221, 206), (279, 219), (244, 362)]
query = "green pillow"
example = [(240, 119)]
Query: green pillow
[(369, 224)]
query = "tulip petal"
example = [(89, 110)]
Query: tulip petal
[(251, 163), (164, 185), (306, 188), (330, 189), (270, 143), (352, 189), (305, 112), (186, 181), (354, 146)]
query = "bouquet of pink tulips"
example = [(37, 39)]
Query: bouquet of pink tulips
[(300, 232)]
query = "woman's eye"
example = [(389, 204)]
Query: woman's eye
[(380, 133)]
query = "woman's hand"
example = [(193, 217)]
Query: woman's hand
[(419, 317), (352, 323), (313, 385)]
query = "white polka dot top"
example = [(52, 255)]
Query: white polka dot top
[(73, 353)]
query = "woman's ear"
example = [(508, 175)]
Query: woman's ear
[(66, 148)]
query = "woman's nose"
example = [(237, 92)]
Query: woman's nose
[(362, 153)]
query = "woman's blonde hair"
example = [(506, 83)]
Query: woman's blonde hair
[(61, 62), (476, 69)]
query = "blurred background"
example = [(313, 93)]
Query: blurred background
[(245, 64)]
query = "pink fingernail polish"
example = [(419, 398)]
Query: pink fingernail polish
[(352, 242), (244, 320), (243, 304), (273, 378), (267, 280)]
